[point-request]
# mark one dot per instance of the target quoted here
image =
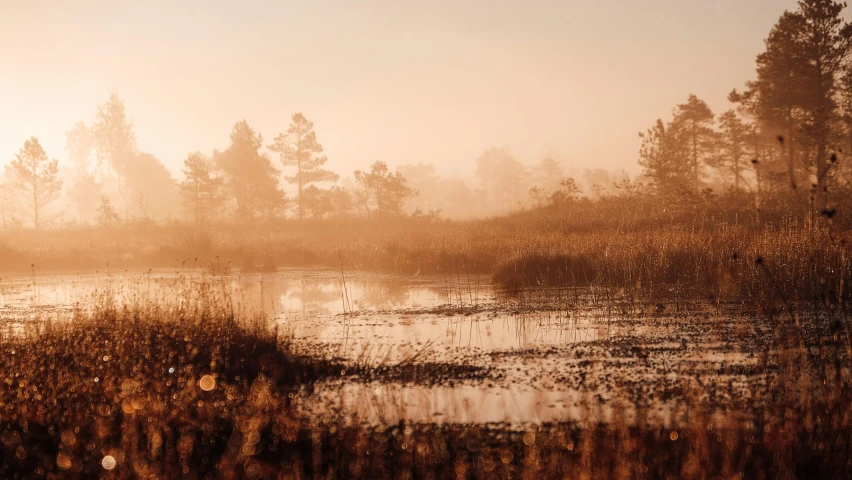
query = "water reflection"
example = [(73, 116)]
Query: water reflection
[(366, 318), (355, 309)]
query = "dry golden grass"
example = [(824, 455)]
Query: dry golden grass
[(191, 387), (186, 385)]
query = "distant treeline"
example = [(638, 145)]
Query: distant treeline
[(108, 181), (784, 147)]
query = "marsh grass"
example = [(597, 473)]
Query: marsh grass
[(761, 269), (190, 385), (137, 380), (679, 259)]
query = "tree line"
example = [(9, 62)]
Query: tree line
[(108, 180), (788, 135), (239, 182), (784, 143)]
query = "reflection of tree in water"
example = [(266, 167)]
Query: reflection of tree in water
[(257, 293), (307, 295), (380, 295), (303, 295), (317, 294)]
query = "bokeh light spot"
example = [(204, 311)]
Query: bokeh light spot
[(207, 383)]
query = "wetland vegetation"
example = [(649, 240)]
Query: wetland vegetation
[(269, 314)]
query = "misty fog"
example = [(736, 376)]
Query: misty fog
[(425, 239)]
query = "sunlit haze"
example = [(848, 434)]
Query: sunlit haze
[(426, 239), (434, 82)]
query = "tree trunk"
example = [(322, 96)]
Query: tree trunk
[(197, 205), (822, 130), (822, 177), (300, 189), (756, 164), (299, 171), (123, 196), (791, 170), (757, 194), (736, 172), (694, 154), (35, 205)]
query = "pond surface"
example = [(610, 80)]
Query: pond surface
[(576, 355)]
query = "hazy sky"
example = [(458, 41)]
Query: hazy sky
[(398, 80)]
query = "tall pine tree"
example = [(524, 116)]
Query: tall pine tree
[(250, 178), (299, 148)]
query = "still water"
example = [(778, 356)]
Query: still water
[(536, 372)]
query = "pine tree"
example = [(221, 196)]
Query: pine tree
[(299, 148), (775, 98), (250, 179), (386, 191), (202, 189), (664, 156), (85, 190), (115, 141), (730, 159), (825, 43), (698, 120), (799, 77), (35, 177)]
